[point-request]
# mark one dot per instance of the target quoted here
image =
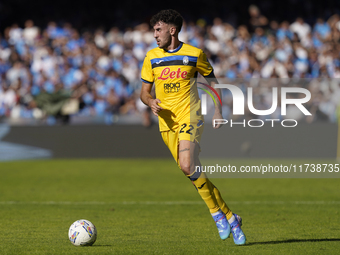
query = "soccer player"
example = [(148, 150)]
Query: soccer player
[(177, 105)]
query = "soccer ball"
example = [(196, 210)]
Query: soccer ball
[(82, 233)]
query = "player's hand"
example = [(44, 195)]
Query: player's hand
[(217, 115), (155, 108)]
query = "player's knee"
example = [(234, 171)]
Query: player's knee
[(185, 167)]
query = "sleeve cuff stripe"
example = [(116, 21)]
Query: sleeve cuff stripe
[(147, 81), (212, 71)]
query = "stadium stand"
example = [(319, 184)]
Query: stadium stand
[(48, 74)]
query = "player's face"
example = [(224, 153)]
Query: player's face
[(162, 34)]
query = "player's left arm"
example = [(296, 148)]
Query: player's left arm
[(206, 70), (211, 79)]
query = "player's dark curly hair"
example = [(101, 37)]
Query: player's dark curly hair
[(168, 17)]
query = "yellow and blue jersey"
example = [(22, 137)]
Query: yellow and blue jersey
[(171, 72)]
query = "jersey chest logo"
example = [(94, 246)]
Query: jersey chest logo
[(171, 87), (166, 74)]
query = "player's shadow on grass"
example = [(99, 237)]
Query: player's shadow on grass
[(295, 241)]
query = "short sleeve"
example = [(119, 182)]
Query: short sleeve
[(147, 74), (203, 66)]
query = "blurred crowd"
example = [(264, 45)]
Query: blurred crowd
[(54, 72)]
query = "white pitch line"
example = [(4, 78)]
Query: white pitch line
[(166, 203)]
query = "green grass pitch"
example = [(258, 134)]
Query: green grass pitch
[(149, 207)]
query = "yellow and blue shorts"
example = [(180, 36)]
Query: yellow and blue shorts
[(185, 131)]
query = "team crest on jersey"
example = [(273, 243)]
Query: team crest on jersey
[(185, 60)]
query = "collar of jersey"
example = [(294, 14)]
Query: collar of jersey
[(175, 50)]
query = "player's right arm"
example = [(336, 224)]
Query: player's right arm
[(147, 99), (147, 81)]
